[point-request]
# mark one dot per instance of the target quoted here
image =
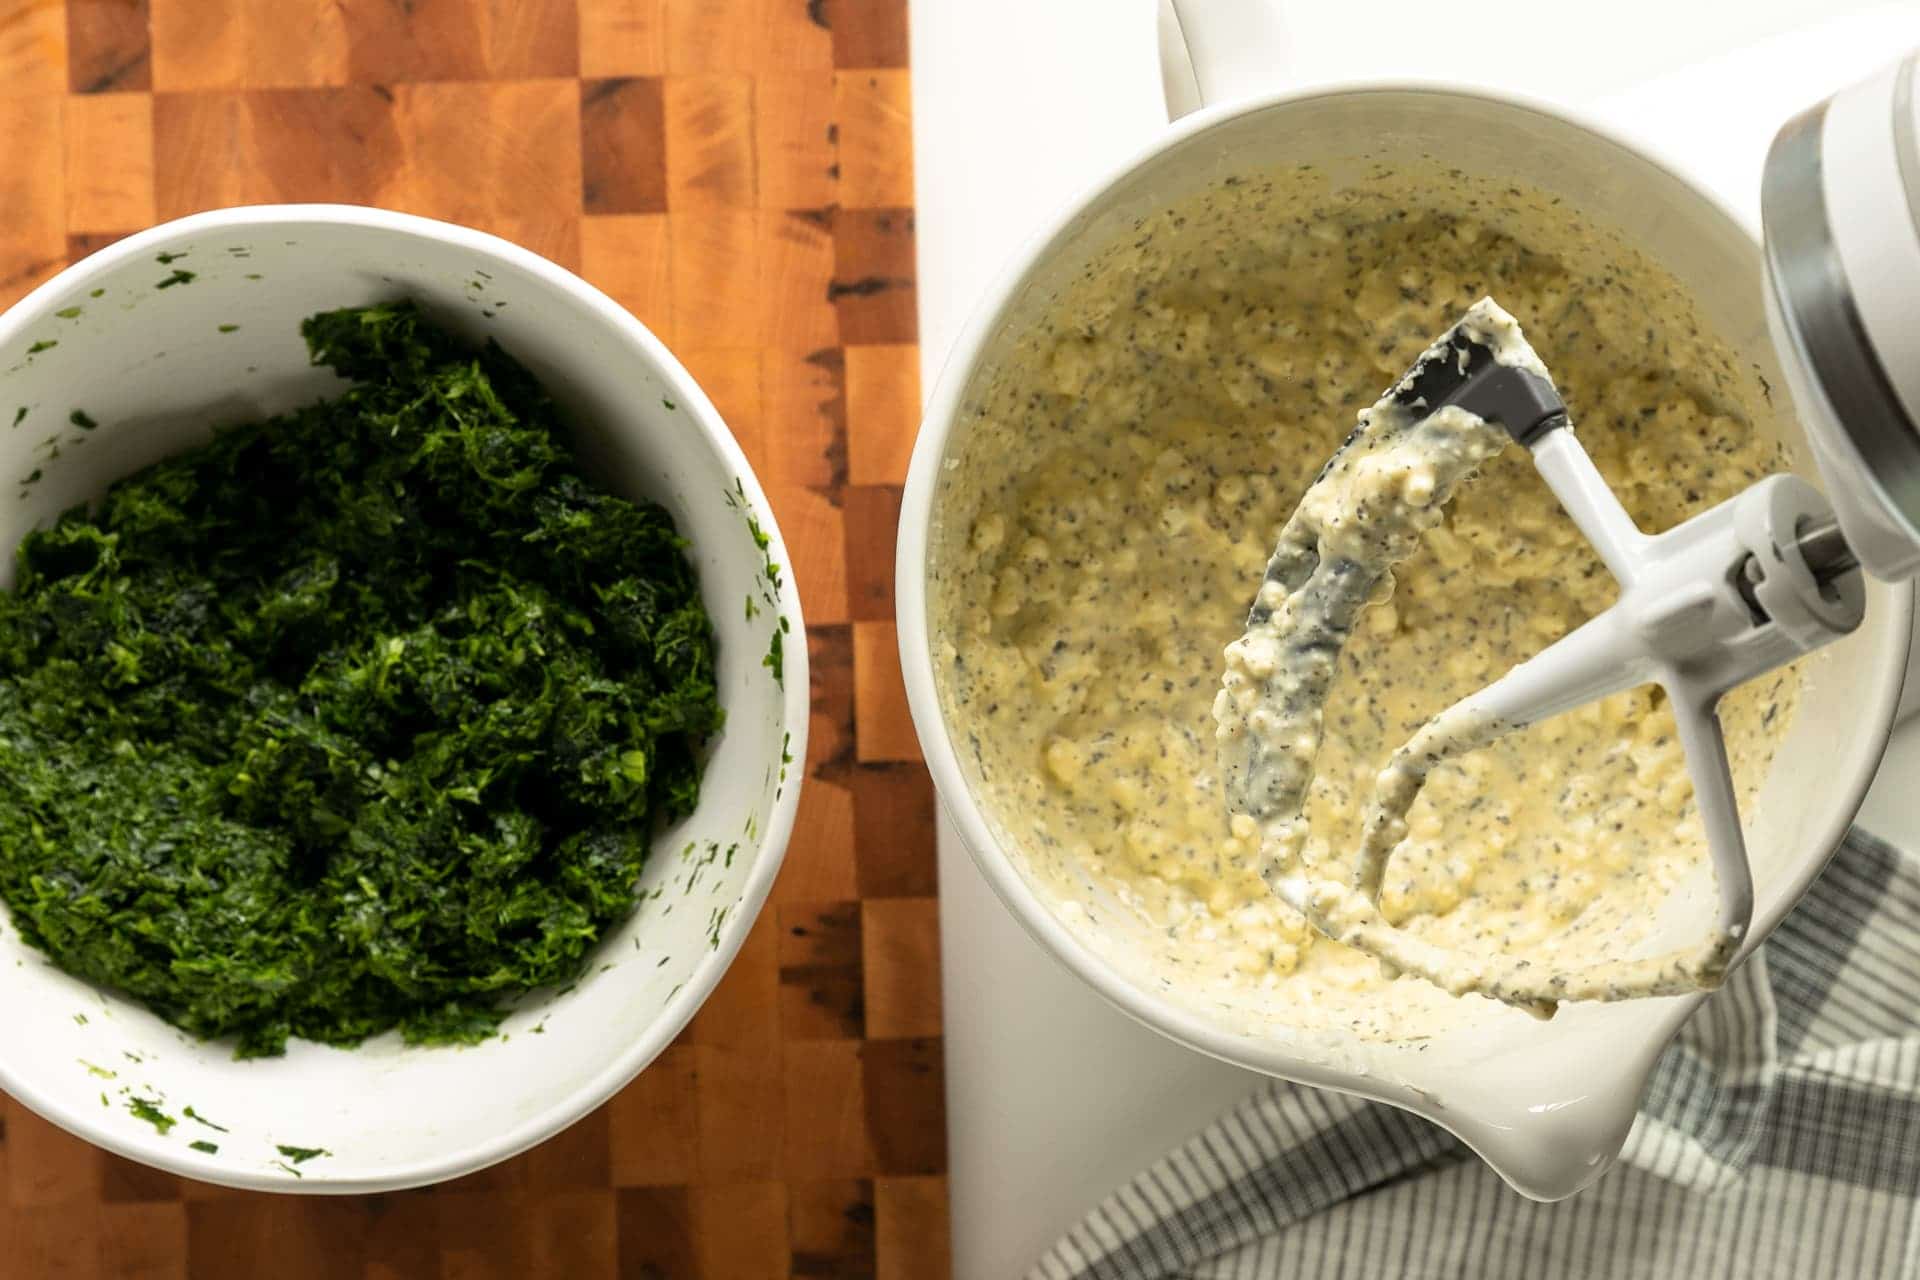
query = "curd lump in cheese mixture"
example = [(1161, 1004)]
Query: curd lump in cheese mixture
[(1124, 471)]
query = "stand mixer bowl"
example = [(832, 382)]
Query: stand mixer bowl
[(1548, 1105)]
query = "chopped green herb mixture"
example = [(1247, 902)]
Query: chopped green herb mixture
[(354, 719)]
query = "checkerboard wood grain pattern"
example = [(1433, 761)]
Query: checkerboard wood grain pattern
[(738, 173)]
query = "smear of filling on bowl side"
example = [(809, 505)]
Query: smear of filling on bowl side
[(359, 718), (1125, 471)]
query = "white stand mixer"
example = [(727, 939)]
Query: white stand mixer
[(1763, 578)]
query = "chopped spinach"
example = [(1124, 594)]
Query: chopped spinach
[(354, 719)]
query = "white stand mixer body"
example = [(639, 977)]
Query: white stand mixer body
[(1841, 209)]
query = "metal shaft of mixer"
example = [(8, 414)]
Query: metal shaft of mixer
[(1826, 549)]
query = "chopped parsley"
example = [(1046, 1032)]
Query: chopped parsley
[(776, 659), (355, 719), (45, 344), (202, 1145), (197, 1118), (148, 1109), (180, 276), (300, 1155), (83, 420)]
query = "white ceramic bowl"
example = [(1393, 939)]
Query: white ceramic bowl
[(154, 368), (1547, 1104)]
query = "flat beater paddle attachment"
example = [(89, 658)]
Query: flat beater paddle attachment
[(1728, 595)]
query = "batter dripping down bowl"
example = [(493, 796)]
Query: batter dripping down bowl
[(1547, 1104)]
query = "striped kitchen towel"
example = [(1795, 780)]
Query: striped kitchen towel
[(1780, 1137)]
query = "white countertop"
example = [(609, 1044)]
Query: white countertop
[(1053, 1097)]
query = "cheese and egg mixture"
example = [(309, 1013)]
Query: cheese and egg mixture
[(1122, 477)]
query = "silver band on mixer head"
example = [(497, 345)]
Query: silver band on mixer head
[(1822, 319)]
